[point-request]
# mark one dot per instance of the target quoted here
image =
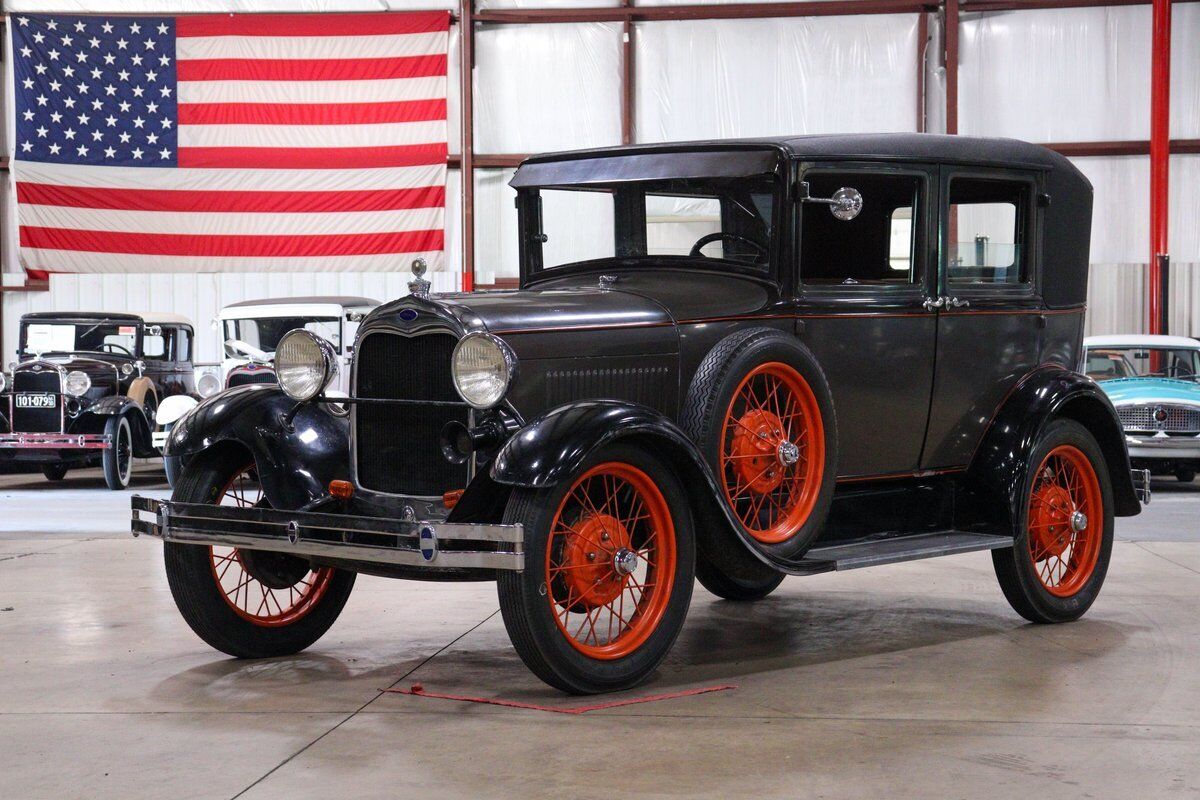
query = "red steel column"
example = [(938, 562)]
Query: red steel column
[(1160, 150), (466, 49), (950, 38)]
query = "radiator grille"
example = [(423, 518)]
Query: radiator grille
[(1180, 419), (258, 376), (396, 446), (37, 420)]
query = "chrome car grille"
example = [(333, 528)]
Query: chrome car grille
[(245, 378), (37, 420), (396, 447), (1179, 419)]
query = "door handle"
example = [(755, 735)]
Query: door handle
[(954, 302), (932, 304)]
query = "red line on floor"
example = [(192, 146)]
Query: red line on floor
[(417, 690)]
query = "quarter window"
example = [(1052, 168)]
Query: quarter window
[(986, 232)]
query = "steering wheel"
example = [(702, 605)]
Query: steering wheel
[(719, 236), (120, 347)]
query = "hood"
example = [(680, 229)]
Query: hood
[(1125, 391)]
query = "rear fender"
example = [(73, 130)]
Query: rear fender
[(552, 448), (997, 472), (295, 462)]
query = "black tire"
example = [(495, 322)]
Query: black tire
[(198, 594), (172, 465), (118, 459), (745, 587), (1185, 475), (527, 597), (1015, 567), (709, 398), (54, 472)]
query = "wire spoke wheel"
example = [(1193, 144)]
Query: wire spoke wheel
[(266, 589), (610, 561), (1065, 521), (772, 452)]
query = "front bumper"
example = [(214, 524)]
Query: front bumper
[(1172, 448), (414, 543), (55, 441)]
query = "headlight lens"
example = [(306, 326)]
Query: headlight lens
[(127, 369), (304, 364), (208, 385), (76, 383), (482, 366)]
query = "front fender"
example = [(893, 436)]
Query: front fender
[(295, 463), (115, 405), (997, 472), (552, 447)]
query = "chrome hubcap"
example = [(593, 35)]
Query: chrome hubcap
[(625, 561), (788, 453), (1079, 521)]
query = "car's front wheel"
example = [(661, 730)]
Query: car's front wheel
[(118, 456), (247, 603), (54, 472), (609, 566)]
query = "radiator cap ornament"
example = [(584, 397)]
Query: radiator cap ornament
[(418, 286)]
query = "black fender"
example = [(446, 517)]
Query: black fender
[(116, 405), (295, 461), (553, 446), (997, 472)]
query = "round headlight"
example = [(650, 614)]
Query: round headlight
[(304, 364), (127, 369), (482, 366), (208, 385), (76, 383)]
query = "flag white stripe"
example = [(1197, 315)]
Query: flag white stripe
[(80, 261), (233, 224), (380, 135), (310, 47), (230, 180), (368, 91)]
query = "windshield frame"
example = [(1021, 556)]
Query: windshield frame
[(23, 350)]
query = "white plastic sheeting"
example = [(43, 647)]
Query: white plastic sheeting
[(761, 77), (1080, 74), (547, 87)]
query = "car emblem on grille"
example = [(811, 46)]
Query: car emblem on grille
[(428, 540), (408, 315), (36, 368), (1160, 415)]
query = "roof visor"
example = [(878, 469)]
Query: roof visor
[(651, 166)]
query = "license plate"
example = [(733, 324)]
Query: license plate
[(29, 400)]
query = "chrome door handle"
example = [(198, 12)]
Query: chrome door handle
[(931, 303), (954, 302)]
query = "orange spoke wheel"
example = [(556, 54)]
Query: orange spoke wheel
[(772, 452), (266, 589), (1066, 521), (610, 561)]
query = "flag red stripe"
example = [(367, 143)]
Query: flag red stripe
[(311, 113), (408, 155), (315, 69), (311, 24), (44, 194), (162, 244)]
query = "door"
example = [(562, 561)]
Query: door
[(990, 328), (862, 288)]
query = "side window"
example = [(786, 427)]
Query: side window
[(986, 232), (577, 226), (879, 246), (183, 345)]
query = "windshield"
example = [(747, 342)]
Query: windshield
[(719, 220), (264, 333), (113, 337), (1110, 363)]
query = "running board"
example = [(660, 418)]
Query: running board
[(875, 552)]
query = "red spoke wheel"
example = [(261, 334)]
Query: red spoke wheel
[(772, 452), (1063, 528), (609, 567), (263, 588), (247, 603)]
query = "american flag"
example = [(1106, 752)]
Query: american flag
[(297, 142)]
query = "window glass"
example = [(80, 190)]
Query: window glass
[(578, 226), (183, 345), (1109, 363), (100, 336), (876, 247), (264, 333), (985, 232), (675, 223), (158, 345)]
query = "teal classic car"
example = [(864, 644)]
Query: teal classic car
[(1154, 383)]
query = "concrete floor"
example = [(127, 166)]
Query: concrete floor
[(909, 681)]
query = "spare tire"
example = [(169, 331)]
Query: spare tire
[(760, 409)]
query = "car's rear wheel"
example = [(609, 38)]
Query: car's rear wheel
[(609, 566), (1064, 528), (247, 603), (747, 585), (118, 456), (1185, 475), (54, 472)]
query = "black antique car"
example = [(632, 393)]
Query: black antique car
[(86, 388), (728, 361)]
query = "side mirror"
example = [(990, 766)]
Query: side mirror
[(846, 203), (154, 330)]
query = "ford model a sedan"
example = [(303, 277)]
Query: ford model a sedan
[(727, 361), (87, 386)]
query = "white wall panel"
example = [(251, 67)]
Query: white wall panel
[(547, 87), (761, 77)]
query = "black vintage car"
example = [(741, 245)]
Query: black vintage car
[(728, 361), (86, 388)]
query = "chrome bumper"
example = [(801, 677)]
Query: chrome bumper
[(459, 545), (159, 439), (1167, 447), (55, 441), (1141, 485)]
